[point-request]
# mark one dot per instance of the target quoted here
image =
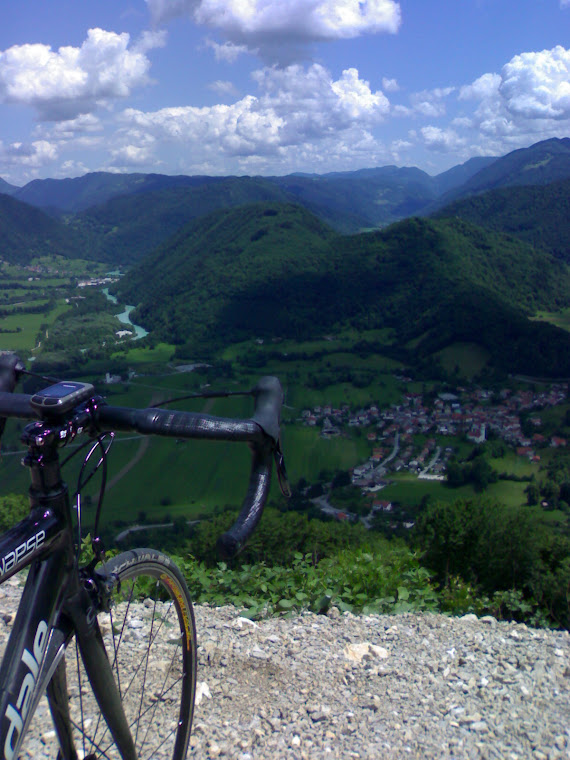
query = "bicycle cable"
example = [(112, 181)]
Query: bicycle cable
[(205, 394)]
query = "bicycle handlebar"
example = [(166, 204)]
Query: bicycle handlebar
[(261, 432)]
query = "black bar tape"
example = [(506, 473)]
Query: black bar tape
[(232, 542), (165, 422)]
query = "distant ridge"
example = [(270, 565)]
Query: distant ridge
[(542, 163), (119, 218), (349, 200), (79, 193), (6, 188)]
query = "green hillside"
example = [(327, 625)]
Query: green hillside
[(125, 229), (540, 164), (121, 217), (26, 232), (272, 270), (539, 215), (199, 276)]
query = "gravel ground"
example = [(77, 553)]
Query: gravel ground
[(402, 686)]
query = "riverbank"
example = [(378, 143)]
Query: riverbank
[(125, 317)]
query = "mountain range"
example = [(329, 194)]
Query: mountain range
[(218, 259), (119, 218)]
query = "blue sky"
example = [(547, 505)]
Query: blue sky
[(276, 86)]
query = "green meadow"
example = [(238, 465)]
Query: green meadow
[(29, 326)]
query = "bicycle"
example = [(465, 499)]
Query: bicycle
[(124, 626)]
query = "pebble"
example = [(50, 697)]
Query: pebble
[(368, 687)]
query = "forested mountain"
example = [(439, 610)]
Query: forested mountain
[(125, 229), (6, 188), (458, 175), (271, 270), (26, 232), (539, 215), (119, 218), (542, 163), (79, 193), (332, 192), (350, 201)]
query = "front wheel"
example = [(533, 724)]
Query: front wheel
[(150, 639)]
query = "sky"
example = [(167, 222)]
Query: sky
[(271, 87)]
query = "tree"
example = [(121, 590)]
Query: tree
[(13, 508), (481, 474), (532, 494)]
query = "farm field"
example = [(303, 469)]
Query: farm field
[(166, 478), (30, 325), (467, 358)]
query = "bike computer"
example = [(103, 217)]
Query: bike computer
[(61, 397)]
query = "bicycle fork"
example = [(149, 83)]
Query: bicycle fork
[(81, 608)]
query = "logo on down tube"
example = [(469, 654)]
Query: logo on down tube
[(16, 715)]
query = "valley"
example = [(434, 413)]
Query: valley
[(425, 361), (352, 415)]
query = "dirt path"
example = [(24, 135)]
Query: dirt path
[(142, 449)]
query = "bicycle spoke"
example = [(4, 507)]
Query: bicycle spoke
[(149, 637)]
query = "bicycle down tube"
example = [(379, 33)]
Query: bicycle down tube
[(40, 630)]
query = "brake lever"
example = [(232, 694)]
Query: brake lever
[(281, 470)]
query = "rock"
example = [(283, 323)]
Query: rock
[(202, 690), (318, 687)]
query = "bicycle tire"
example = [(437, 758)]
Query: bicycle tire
[(150, 638)]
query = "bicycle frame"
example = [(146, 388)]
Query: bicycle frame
[(56, 602)]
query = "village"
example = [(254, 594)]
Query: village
[(473, 413)]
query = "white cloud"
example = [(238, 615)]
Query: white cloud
[(357, 99), (228, 51), (431, 103), (132, 155), (72, 168), (390, 85), (483, 87), (272, 26), (298, 108), (441, 140), (565, 3), (223, 88), (71, 81), (62, 131), (462, 121), (537, 85), (528, 101), (31, 155)]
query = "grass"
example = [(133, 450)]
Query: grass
[(29, 325), (162, 353), (410, 490), (513, 464), (341, 342), (469, 358), (307, 453), (558, 318), (507, 492), (384, 390)]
